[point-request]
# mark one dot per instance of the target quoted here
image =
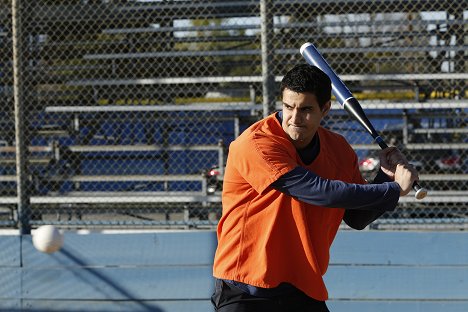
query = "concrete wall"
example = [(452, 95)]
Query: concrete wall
[(171, 271)]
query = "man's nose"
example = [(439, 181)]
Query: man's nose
[(296, 116)]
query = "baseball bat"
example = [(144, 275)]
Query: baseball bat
[(348, 101)]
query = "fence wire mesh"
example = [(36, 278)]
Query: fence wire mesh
[(128, 107)]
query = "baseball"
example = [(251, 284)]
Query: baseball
[(47, 239)]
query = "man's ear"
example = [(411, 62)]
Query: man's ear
[(326, 108)]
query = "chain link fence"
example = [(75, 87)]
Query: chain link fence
[(124, 110)]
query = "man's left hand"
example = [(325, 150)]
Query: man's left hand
[(389, 159)]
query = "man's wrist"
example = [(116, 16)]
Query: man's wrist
[(381, 177)]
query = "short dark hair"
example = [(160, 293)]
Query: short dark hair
[(308, 78)]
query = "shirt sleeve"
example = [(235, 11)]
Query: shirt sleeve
[(262, 159), (381, 177), (359, 219), (308, 187)]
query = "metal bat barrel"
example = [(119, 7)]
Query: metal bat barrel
[(313, 57), (348, 101), (339, 89)]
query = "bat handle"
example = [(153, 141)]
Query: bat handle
[(421, 192)]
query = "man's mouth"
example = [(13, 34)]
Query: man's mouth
[(296, 127)]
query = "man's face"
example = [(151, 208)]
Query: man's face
[(302, 116)]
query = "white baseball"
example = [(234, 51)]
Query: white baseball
[(47, 239)]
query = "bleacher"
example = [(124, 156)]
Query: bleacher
[(116, 101)]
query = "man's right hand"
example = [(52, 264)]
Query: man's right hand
[(405, 175)]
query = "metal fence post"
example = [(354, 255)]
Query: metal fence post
[(268, 79), (18, 97)]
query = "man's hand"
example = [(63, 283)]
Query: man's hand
[(405, 175), (394, 164), (389, 159)]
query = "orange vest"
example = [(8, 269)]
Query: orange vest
[(266, 237)]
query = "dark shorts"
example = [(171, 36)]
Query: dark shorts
[(229, 298)]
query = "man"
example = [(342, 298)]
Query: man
[(288, 185)]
